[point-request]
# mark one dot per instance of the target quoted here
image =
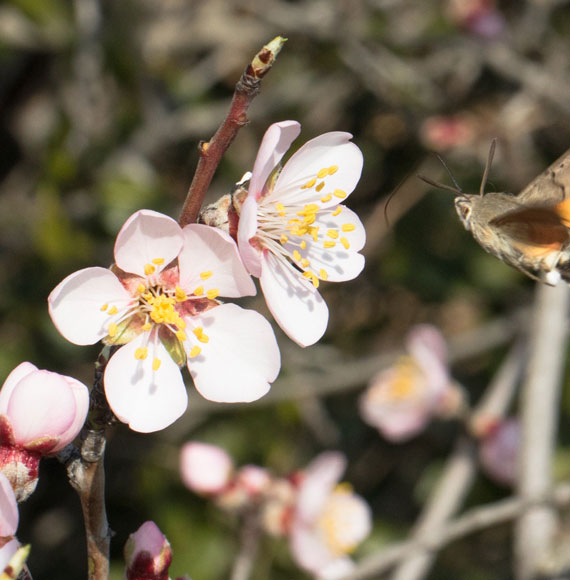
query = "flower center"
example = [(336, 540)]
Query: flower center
[(289, 229)]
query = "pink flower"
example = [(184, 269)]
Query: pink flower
[(499, 451), (147, 554), (402, 399), (329, 519), (40, 413), (204, 468), (9, 518), (293, 231), (159, 301)]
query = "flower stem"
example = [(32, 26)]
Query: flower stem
[(211, 151)]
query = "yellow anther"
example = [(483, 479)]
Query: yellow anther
[(158, 261), (112, 329), (196, 350), (312, 277), (181, 335), (303, 244), (337, 210), (141, 288), (320, 186), (199, 333), (323, 274), (141, 353), (326, 197), (312, 207), (309, 183), (147, 326), (329, 244), (348, 227), (345, 243), (283, 239), (309, 219), (156, 364), (323, 172), (213, 293), (296, 256), (112, 310), (305, 263), (205, 275), (180, 295), (315, 233), (104, 307), (333, 169), (279, 207), (149, 269), (181, 323), (148, 296), (332, 234), (294, 221), (199, 291), (339, 193)]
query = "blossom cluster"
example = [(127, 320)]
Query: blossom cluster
[(324, 520)]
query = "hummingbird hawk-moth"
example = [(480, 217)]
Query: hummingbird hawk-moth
[(531, 230)]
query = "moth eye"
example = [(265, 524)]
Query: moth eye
[(465, 212), (464, 208)]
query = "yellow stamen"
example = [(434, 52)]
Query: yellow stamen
[(309, 184), (283, 239), (337, 210), (303, 244), (199, 291), (332, 234), (213, 293), (345, 243), (158, 261), (329, 244), (305, 263), (113, 310), (141, 288), (147, 326), (196, 350), (104, 307), (312, 277), (147, 296), (205, 275), (199, 333), (323, 274), (326, 197), (156, 364), (339, 193), (323, 172), (180, 295), (149, 269), (320, 186), (333, 169), (112, 329), (181, 335), (141, 353), (296, 256), (279, 207), (348, 227)]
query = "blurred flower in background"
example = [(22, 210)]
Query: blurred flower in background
[(499, 451)]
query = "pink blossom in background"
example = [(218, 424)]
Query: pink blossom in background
[(402, 399), (159, 301), (499, 451), (480, 17), (40, 413), (293, 230), (329, 520), (445, 132), (204, 468)]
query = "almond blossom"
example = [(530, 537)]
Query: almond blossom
[(204, 468), (12, 555), (293, 230), (329, 520), (499, 451), (402, 399), (159, 303)]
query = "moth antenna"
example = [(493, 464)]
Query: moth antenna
[(392, 194), (456, 190), (442, 161), (488, 166)]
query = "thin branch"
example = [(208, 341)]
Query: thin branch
[(211, 152), (249, 539)]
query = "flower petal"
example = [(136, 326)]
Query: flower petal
[(294, 302), (75, 304), (247, 229), (275, 143), (8, 508), (240, 359), (210, 251), (21, 371), (205, 468), (145, 238), (428, 347), (80, 394), (148, 400), (330, 149), (308, 549)]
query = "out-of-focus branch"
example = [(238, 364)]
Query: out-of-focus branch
[(540, 403), (211, 151), (249, 539)]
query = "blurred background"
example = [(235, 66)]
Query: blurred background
[(102, 105)]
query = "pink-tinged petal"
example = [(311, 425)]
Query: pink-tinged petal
[(6, 552), (294, 302), (76, 305), (499, 452), (427, 345), (319, 479), (21, 371), (145, 237), (275, 143), (80, 395), (337, 569), (240, 359), (247, 228), (147, 553), (308, 549), (148, 400), (209, 250), (330, 149), (205, 468), (41, 405), (338, 262), (9, 516)]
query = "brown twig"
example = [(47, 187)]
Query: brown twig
[(250, 536), (211, 151)]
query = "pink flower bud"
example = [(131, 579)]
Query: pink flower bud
[(204, 468), (499, 452), (147, 554), (40, 413)]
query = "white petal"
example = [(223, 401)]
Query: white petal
[(75, 304), (8, 508), (340, 264), (146, 236), (208, 249), (240, 359), (21, 371), (247, 229), (294, 302), (147, 400), (275, 143), (308, 548), (322, 152)]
